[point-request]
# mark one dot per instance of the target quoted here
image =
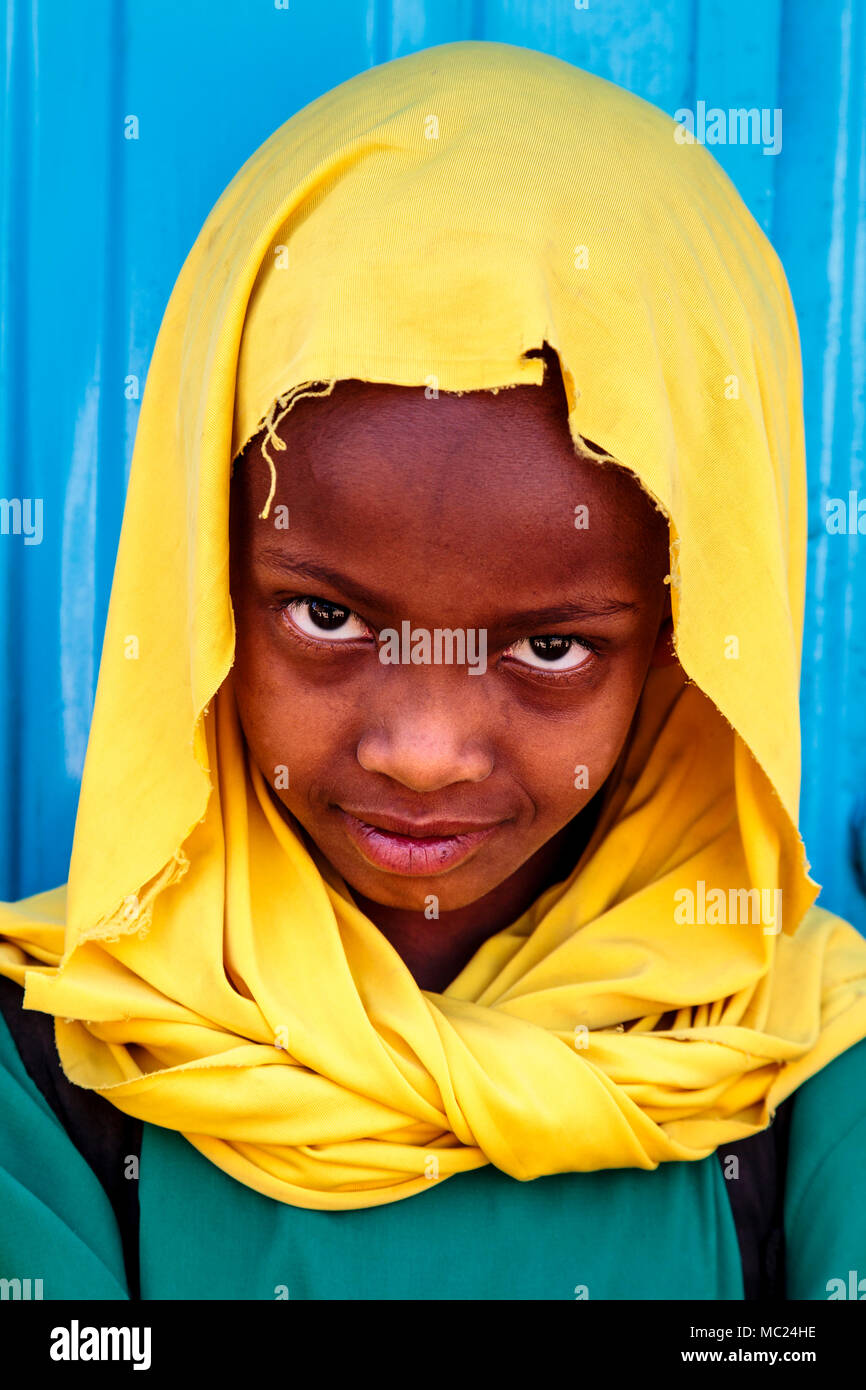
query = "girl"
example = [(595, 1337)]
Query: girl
[(437, 922)]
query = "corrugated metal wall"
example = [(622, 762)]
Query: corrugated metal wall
[(95, 227)]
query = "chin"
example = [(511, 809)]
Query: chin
[(432, 895)]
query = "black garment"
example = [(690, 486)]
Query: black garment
[(757, 1197), (107, 1139)]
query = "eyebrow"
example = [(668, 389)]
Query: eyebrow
[(311, 569), (573, 610), (594, 607)]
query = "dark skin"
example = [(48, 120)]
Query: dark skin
[(450, 513)]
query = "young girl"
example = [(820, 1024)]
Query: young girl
[(437, 922)]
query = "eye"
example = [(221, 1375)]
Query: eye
[(324, 621), (551, 653)]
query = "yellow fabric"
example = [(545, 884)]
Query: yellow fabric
[(427, 223)]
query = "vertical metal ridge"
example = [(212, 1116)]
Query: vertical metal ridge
[(19, 65)]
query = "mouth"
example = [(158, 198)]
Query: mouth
[(417, 849)]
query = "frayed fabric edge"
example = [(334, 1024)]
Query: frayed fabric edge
[(278, 411), (284, 403), (134, 915)]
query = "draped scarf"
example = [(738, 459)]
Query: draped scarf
[(428, 223)]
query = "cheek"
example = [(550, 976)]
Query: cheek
[(563, 765), (288, 721), (564, 761)]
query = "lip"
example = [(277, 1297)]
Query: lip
[(418, 849)]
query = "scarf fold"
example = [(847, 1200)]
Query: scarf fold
[(428, 223)]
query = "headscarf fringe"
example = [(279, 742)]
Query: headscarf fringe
[(134, 915), (284, 404)]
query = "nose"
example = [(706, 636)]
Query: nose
[(425, 747)]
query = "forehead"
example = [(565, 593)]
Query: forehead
[(379, 475)]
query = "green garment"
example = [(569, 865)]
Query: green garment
[(615, 1234)]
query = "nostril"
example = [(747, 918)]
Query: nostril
[(421, 762)]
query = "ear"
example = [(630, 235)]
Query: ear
[(663, 653)]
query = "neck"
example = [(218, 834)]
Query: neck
[(436, 951)]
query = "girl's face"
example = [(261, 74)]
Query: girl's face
[(432, 776)]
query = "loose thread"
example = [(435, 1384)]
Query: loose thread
[(272, 420)]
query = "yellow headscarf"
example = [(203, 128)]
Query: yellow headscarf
[(427, 223)]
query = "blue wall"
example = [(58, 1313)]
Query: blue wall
[(95, 228)]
